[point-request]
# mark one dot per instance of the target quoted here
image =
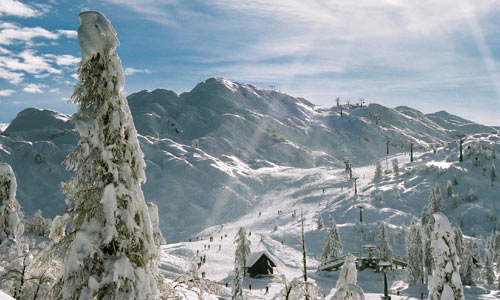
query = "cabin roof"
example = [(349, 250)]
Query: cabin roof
[(254, 257)]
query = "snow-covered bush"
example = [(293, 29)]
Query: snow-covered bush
[(297, 289), (192, 281)]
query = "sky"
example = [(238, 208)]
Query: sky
[(429, 55)]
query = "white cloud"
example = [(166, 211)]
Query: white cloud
[(12, 77), (75, 76), (11, 33), (27, 61), (132, 71), (67, 60), (55, 90), (17, 9), (4, 51), (6, 93), (72, 34), (34, 88)]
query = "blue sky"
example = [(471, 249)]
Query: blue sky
[(430, 55)]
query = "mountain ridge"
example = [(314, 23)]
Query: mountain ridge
[(215, 148)]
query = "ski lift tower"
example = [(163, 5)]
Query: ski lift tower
[(461, 136), (355, 185), (385, 266), (360, 206)]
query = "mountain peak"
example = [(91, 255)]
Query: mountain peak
[(34, 122)]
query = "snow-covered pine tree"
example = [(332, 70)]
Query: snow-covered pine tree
[(378, 170), (449, 188), (428, 259), (37, 224), (426, 217), (242, 250), (455, 201), (320, 222), (383, 244), (493, 173), (415, 253), (467, 266), (471, 196), (445, 282), (487, 274), (237, 289), (155, 224), (459, 242), (395, 166), (112, 252), (333, 244), (436, 202), (475, 251), (10, 210), (348, 273)]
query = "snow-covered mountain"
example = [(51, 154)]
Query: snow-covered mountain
[(225, 149)]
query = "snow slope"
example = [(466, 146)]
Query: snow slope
[(224, 149)]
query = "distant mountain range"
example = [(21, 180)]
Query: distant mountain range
[(205, 149)]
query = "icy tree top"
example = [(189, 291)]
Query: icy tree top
[(8, 179), (95, 35)]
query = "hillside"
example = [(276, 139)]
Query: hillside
[(224, 149)]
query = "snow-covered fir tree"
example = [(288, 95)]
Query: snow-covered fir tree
[(378, 170), (426, 217), (333, 244), (383, 244), (395, 166), (487, 274), (449, 188), (348, 273), (415, 254), (459, 242), (493, 173), (320, 222), (475, 251), (445, 282), (436, 202), (155, 223), (37, 224), (112, 252), (467, 266), (237, 288), (242, 250), (346, 284), (455, 201), (428, 259), (471, 196), (11, 226)]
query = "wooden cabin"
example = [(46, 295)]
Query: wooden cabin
[(260, 264)]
